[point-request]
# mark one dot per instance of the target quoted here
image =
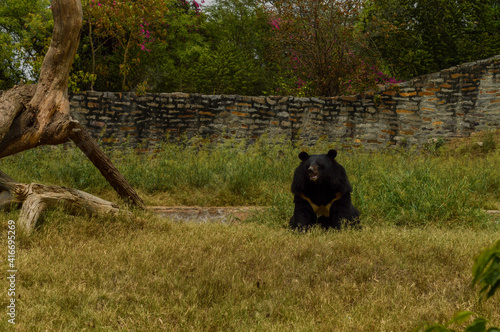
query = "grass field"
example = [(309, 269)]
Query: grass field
[(423, 223)]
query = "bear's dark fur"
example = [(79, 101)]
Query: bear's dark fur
[(322, 193)]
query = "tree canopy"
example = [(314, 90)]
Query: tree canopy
[(252, 47), (416, 37), (25, 29)]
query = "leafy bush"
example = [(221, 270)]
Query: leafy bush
[(486, 270)]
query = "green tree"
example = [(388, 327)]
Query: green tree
[(243, 23), (228, 55), (416, 37), (226, 69), (319, 49), (25, 29), (239, 29), (125, 42)]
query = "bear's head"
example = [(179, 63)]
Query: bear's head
[(320, 170), (318, 166)]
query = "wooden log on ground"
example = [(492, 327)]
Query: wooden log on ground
[(34, 198)]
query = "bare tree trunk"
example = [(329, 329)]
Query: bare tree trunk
[(34, 115), (88, 145), (45, 119)]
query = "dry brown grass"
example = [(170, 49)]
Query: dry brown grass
[(148, 274)]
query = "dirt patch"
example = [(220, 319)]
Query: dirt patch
[(475, 142), (205, 214), (495, 212)]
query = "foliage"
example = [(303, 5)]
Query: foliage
[(252, 47), (243, 23), (224, 70), (166, 45), (228, 57), (123, 42), (486, 270), (25, 30), (478, 325), (319, 49), (424, 36), (173, 46), (238, 32), (80, 79)]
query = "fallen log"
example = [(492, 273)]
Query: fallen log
[(34, 198)]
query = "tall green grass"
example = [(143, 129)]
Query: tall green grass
[(402, 187)]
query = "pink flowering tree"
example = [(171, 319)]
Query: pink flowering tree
[(319, 49), (120, 37)]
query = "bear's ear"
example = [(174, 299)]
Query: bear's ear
[(332, 154), (303, 155)]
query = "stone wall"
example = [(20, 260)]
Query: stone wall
[(451, 103)]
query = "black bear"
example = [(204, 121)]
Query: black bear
[(322, 193)]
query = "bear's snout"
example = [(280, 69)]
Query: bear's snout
[(312, 171)]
